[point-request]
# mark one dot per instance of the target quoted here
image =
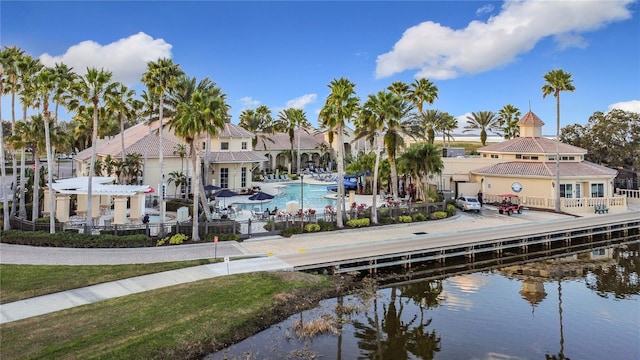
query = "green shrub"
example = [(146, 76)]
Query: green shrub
[(291, 230), (312, 228), (405, 219), (73, 239), (419, 217), (276, 225), (451, 209), (326, 225), (438, 215), (383, 212), (222, 237), (358, 222), (45, 220), (386, 220)]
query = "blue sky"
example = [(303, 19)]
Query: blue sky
[(482, 55)]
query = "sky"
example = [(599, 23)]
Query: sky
[(482, 55)]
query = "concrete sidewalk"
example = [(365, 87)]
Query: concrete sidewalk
[(46, 304)]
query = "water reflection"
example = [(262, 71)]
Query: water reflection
[(580, 306)]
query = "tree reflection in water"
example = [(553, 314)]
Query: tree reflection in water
[(396, 338)]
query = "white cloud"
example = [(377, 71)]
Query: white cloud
[(302, 101), (248, 102), (440, 52), (630, 106), (126, 58), (485, 9)]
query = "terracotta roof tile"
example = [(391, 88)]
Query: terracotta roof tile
[(545, 169), (531, 119), (531, 145), (235, 157), (234, 131)]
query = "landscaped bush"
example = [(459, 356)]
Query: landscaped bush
[(45, 220), (451, 209), (419, 217), (276, 225), (291, 230), (405, 219), (74, 240), (438, 215), (382, 212), (176, 239), (221, 237), (358, 222), (312, 228), (325, 225), (386, 220)]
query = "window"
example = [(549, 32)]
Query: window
[(565, 158), (566, 190), (243, 177), (185, 188), (244, 145), (224, 146), (224, 177), (551, 158), (597, 190), (494, 156), (518, 156)]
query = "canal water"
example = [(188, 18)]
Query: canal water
[(582, 306)]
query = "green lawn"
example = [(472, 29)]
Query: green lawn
[(24, 281), (180, 322)]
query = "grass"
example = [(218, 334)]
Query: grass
[(25, 281), (180, 322)]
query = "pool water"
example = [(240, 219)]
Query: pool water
[(313, 198)]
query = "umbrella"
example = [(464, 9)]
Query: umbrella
[(261, 196), (225, 193), (212, 187)]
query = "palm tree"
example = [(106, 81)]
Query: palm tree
[(395, 125), (133, 167), (28, 69), (557, 81), (424, 123), (483, 121), (161, 76), (179, 178), (259, 122), (92, 89), (181, 150), (341, 106), (148, 111), (205, 113), (509, 116), (446, 125), (368, 125), (288, 120), (121, 102), (421, 91), (10, 57), (3, 170), (44, 88), (423, 159), (64, 78), (400, 89)]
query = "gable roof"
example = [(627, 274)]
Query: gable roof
[(546, 169), (281, 140)]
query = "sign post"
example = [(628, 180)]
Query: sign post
[(215, 247)]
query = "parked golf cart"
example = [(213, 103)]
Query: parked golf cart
[(510, 204)]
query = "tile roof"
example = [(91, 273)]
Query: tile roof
[(546, 169), (136, 140), (531, 145), (531, 119), (234, 131), (235, 157)]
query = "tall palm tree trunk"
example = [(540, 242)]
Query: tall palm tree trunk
[(47, 137), (35, 211), (394, 177), (558, 153), (195, 235), (374, 205), (3, 173), (23, 180), (340, 206), (163, 205), (92, 164)]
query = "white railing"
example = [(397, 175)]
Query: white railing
[(578, 206)]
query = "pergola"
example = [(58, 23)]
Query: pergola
[(103, 192)]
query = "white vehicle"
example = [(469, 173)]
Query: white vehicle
[(468, 203)]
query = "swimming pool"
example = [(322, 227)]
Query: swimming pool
[(313, 198)]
